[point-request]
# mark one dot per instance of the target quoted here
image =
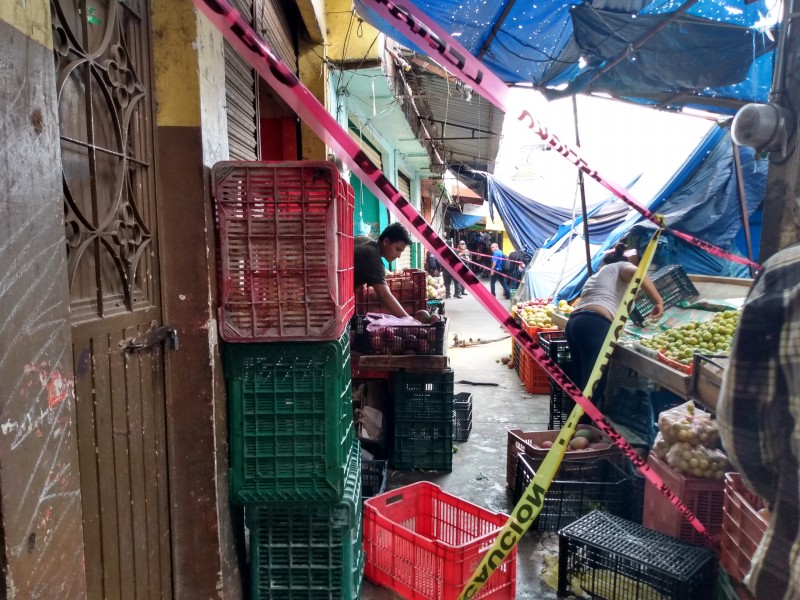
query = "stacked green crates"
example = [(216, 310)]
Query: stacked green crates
[(295, 466), (423, 421), (291, 420), (309, 550)]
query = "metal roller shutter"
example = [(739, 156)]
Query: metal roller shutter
[(241, 95), (274, 26)]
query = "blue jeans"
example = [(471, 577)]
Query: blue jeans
[(503, 282), (586, 332)]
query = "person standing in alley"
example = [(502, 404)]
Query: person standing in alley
[(449, 279), (498, 258), (432, 266), (368, 267), (600, 299), (463, 253), (759, 418)]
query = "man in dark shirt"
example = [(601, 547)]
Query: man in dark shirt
[(369, 269)]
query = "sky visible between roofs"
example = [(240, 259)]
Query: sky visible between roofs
[(619, 140)]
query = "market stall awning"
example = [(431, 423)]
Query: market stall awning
[(702, 54)]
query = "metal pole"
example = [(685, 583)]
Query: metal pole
[(583, 191), (737, 160)]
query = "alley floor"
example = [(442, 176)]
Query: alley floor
[(479, 465)]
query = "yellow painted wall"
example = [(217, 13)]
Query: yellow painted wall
[(175, 35), (340, 19), (31, 17), (314, 74)]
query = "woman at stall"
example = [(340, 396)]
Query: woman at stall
[(602, 295)]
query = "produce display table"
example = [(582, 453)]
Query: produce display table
[(703, 385), (707, 379), (668, 378)]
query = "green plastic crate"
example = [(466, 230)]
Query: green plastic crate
[(423, 396), (291, 420), (426, 445), (312, 551)]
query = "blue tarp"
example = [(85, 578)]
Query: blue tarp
[(459, 220), (716, 56), (702, 199), (528, 222)]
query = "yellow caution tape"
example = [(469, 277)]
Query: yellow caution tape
[(532, 500)]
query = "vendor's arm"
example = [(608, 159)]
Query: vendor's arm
[(388, 301), (658, 302), (627, 273)]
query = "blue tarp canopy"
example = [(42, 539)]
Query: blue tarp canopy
[(530, 223), (701, 199), (716, 55)]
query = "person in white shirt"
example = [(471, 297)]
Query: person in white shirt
[(588, 325)]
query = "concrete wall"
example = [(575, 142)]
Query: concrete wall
[(39, 476)]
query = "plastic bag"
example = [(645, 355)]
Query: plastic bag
[(685, 423), (661, 446), (697, 461), (377, 321)]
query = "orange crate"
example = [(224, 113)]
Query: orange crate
[(408, 287), (742, 527), (704, 497), (535, 377), (532, 374), (662, 358), (525, 442), (425, 544)]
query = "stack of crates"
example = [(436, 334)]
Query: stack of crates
[(423, 421), (286, 296), (554, 343)]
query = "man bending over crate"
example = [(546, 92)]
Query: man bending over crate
[(369, 269)]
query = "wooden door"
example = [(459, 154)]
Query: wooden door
[(105, 105)]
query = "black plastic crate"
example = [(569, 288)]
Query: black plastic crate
[(423, 396), (462, 416), (561, 406), (555, 344), (373, 477), (672, 283), (612, 558), (399, 340), (578, 488), (638, 483), (425, 445), (638, 410)]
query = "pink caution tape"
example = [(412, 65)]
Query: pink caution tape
[(428, 34), (259, 55)]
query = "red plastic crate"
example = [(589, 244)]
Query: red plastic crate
[(534, 377), (532, 374), (359, 373), (425, 544), (742, 527), (704, 497), (525, 442), (285, 250), (408, 287)]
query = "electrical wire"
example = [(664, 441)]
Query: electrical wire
[(344, 48)]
